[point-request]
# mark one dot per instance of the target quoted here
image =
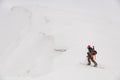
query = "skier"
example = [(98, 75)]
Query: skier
[(90, 55)]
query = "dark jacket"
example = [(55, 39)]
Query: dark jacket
[(90, 50)]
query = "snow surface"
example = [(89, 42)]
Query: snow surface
[(31, 30)]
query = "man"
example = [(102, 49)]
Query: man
[(90, 55)]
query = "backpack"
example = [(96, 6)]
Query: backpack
[(94, 52)]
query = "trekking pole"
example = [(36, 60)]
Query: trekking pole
[(95, 57)]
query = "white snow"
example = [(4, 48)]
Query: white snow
[(31, 30)]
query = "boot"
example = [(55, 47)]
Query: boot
[(88, 63), (95, 65)]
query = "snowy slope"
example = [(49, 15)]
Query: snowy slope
[(31, 30)]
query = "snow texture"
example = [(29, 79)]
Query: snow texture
[(47, 39)]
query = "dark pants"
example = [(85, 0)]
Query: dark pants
[(91, 59)]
